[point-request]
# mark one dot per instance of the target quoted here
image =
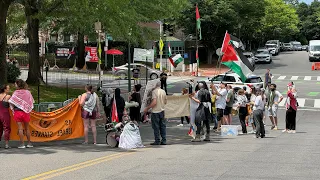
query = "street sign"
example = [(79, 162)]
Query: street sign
[(143, 55), (161, 44), (218, 52)]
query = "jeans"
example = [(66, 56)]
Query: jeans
[(159, 126), (215, 120), (258, 119)]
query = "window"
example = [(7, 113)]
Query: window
[(230, 79), (254, 80), (66, 38), (218, 78)]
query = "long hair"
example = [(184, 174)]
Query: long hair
[(21, 84), (89, 88), (3, 88)]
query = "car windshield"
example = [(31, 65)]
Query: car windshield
[(262, 52), (254, 80), (247, 55), (286, 44), (315, 48), (296, 43), (218, 78), (271, 46)]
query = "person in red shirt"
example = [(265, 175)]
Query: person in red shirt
[(291, 107)]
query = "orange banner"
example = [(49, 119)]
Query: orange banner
[(64, 123)]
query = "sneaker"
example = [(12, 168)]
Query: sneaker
[(275, 128), (285, 130), (154, 144), (85, 143), (94, 143), (7, 147), (272, 127), (293, 131), (163, 143), (180, 125), (251, 132), (29, 146), (21, 147)]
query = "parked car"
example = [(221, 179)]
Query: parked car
[(235, 81), (250, 57), (263, 55), (314, 50), (296, 45), (122, 71), (274, 46), (288, 47), (304, 47)]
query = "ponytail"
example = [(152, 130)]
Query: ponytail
[(89, 88)]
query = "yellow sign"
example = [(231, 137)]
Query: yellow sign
[(158, 66), (64, 123), (161, 44)]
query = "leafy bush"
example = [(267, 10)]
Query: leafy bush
[(13, 73)]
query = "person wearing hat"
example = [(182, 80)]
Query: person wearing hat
[(291, 109), (51, 107)]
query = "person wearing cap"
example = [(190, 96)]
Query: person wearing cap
[(274, 98), (291, 109), (221, 102)]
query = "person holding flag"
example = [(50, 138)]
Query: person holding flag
[(118, 106)]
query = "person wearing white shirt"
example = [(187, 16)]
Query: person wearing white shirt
[(221, 101), (259, 104)]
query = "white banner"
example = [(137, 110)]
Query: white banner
[(142, 54)]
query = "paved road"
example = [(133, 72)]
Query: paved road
[(279, 156)]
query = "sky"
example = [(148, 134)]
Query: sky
[(307, 1)]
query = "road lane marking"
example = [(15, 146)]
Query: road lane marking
[(318, 78), (72, 166), (282, 77), (84, 166), (307, 78), (294, 78), (316, 103), (301, 102)]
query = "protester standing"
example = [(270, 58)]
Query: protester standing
[(221, 102), (5, 121), (159, 100), (229, 105), (135, 114), (184, 92), (22, 104), (203, 114), (291, 107), (163, 79), (252, 107), (259, 105), (106, 102), (242, 105), (214, 110), (274, 98), (90, 112), (267, 78)]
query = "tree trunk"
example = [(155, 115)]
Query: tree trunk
[(80, 60), (31, 11), (4, 6)]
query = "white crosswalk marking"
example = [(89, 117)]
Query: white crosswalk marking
[(318, 78), (317, 103), (282, 77), (307, 78), (301, 102), (294, 78), (272, 77)]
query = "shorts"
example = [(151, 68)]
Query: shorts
[(86, 115), (227, 111), (273, 112), (21, 116), (219, 114)]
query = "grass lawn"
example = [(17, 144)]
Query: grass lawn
[(54, 94)]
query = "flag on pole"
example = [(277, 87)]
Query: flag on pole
[(176, 59), (198, 22), (99, 51), (234, 58), (114, 116)]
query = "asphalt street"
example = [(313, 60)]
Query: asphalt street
[(278, 156)]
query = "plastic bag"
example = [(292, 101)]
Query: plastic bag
[(130, 137)]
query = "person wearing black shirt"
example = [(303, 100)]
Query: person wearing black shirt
[(135, 96), (163, 79), (136, 75)]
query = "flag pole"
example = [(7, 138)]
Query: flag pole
[(197, 53)]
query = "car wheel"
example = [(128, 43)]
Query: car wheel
[(123, 76), (153, 76)]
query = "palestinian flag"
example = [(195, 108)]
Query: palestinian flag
[(176, 59), (191, 131), (234, 58), (114, 113), (198, 22)]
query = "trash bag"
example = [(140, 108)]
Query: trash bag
[(130, 137)]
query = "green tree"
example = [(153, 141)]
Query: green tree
[(4, 6)]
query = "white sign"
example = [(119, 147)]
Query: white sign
[(142, 54)]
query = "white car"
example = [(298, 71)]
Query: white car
[(235, 81), (263, 55), (272, 49), (122, 71)]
